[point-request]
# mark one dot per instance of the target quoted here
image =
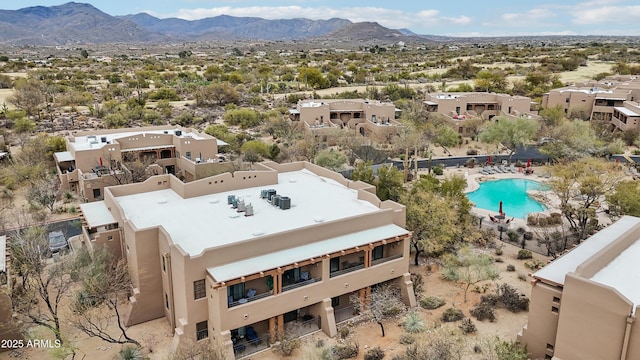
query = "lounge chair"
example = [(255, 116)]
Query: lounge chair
[(488, 170), (512, 168)]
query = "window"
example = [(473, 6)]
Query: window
[(188, 155), (202, 330), (335, 301), (554, 309), (164, 264), (378, 252), (291, 276), (96, 193), (334, 264), (556, 300), (166, 300), (235, 292), (199, 289), (549, 347)]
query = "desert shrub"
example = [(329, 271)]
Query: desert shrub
[(413, 323), (437, 170), (483, 312), (509, 298), (543, 221), (467, 326), (499, 260), (344, 332), (499, 251), (472, 152), (522, 276), (534, 264), (513, 236), (489, 299), (407, 339), (286, 346), (532, 220), (511, 351), (374, 354), (130, 353), (511, 268), (524, 254), (347, 351), (528, 235), (431, 302), (418, 282), (451, 315)]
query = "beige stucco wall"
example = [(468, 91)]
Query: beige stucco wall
[(542, 322), (592, 321)]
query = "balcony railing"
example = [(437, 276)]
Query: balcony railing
[(250, 299), (346, 271), (385, 259), (246, 347), (300, 284), (344, 314)]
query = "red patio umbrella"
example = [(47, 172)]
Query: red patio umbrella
[(489, 159), (500, 207), (528, 162)]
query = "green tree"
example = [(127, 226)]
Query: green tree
[(573, 139), (313, 77), (510, 132), (470, 268), (578, 185), (29, 95), (384, 302), (217, 94), (254, 151), (363, 172), (330, 159), (23, 125), (493, 80), (389, 183), (625, 199), (244, 117), (446, 137)]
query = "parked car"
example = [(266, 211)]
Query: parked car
[(57, 242)]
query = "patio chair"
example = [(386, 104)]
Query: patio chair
[(512, 168), (252, 337), (503, 169)]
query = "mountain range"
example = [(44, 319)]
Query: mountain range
[(78, 23)]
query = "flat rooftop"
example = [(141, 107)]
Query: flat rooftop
[(623, 274), (86, 142), (208, 221)]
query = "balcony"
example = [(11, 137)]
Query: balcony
[(249, 299), (300, 284), (347, 270), (385, 259)]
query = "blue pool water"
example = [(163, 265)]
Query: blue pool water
[(513, 194)]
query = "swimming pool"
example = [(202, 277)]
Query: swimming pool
[(513, 194)]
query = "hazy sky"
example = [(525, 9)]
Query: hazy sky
[(455, 18)]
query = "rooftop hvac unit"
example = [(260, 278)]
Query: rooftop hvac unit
[(285, 203), (270, 194), (248, 211), (241, 206), (264, 194), (230, 199), (275, 200), (103, 139), (178, 132), (165, 132)]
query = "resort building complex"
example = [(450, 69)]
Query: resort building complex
[(464, 106), (613, 100), (368, 118), (246, 258), (98, 158), (584, 305)]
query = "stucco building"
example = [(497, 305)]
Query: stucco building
[(95, 159), (460, 107), (246, 258), (584, 305), (370, 118), (613, 99)]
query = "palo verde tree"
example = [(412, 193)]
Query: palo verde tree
[(510, 132), (579, 186), (470, 268)]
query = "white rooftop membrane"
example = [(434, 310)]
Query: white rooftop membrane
[(97, 214), (202, 222), (317, 249), (622, 273), (95, 141)]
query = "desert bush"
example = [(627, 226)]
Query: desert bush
[(451, 315), (522, 276), (285, 347), (509, 298), (467, 326), (418, 282), (489, 299), (407, 339), (483, 312), (499, 251), (437, 170), (432, 302), (344, 332), (524, 254), (532, 220), (130, 353), (513, 236), (374, 354), (413, 323), (511, 268), (347, 351), (472, 152), (534, 264), (499, 260)]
